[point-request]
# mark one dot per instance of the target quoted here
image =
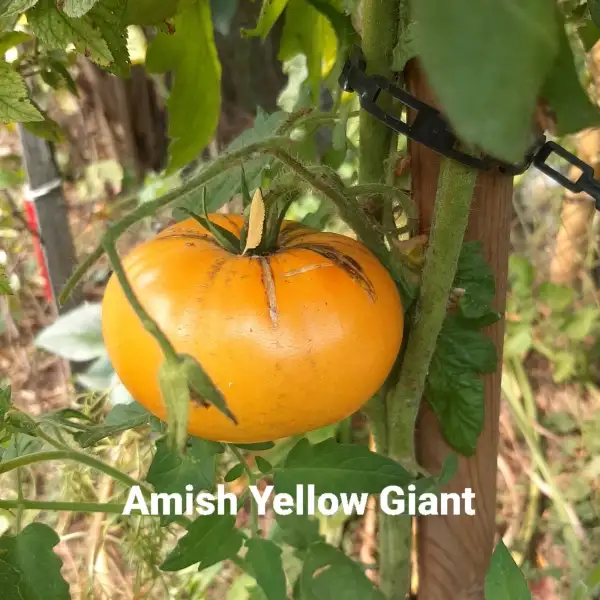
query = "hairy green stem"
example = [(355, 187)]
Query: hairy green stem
[(379, 35), (453, 202), (81, 457), (83, 507), (454, 195)]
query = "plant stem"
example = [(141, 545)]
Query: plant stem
[(77, 456), (379, 35), (84, 507), (453, 201), (252, 479), (455, 192)]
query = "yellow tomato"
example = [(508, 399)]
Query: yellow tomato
[(295, 340)]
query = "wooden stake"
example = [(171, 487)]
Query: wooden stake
[(454, 551)]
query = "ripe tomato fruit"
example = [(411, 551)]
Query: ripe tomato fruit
[(295, 340)]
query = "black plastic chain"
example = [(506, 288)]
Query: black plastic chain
[(431, 129)]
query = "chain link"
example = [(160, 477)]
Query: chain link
[(429, 128)]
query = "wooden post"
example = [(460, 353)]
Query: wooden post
[(454, 551), (47, 213)]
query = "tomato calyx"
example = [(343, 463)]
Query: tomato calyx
[(263, 220)]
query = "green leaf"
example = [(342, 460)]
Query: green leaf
[(76, 335), (264, 558), (149, 12), (203, 386), (341, 23), (77, 8), (256, 447), (338, 468), (20, 445), (209, 540), (306, 31), (519, 341), (234, 473), (504, 579), (195, 99), (121, 418), (269, 13), (5, 289), (594, 6), (223, 187), (329, 573), (298, 531), (459, 406), (589, 34), (568, 99), (29, 569), (10, 39), (170, 471), (9, 8), (453, 388), (56, 31), (510, 45), (264, 466), (46, 129), (475, 277), (556, 297), (109, 17), (15, 105), (582, 322)]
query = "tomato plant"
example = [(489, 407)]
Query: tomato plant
[(244, 329)]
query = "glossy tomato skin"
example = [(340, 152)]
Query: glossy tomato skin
[(295, 341)]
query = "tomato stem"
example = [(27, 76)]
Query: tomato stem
[(147, 321), (453, 202)]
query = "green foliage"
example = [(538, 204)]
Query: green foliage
[(338, 468), (563, 91), (29, 568), (223, 187), (76, 335), (149, 12), (14, 102), (553, 320), (329, 573), (170, 471), (504, 580), (209, 540), (195, 99), (77, 8), (453, 388), (120, 418), (511, 50), (307, 31), (264, 559), (270, 11), (55, 30), (5, 289)]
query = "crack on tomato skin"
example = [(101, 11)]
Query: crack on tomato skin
[(268, 282), (193, 236), (306, 269), (345, 262)]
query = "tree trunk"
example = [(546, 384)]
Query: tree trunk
[(454, 551)]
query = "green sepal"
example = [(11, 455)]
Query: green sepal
[(201, 384), (175, 392)]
